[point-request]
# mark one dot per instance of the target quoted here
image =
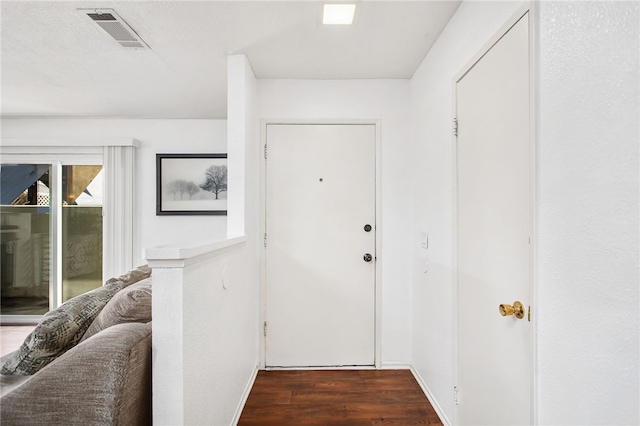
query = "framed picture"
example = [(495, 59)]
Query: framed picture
[(191, 184)]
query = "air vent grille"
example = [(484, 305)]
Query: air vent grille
[(116, 27), (102, 16), (132, 44), (117, 31)]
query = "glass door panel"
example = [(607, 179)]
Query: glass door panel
[(81, 229), (25, 244), (51, 236)]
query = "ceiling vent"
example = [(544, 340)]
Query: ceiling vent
[(116, 27)]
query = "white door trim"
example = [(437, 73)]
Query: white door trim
[(527, 7), (263, 190)]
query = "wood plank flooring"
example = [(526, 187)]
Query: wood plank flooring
[(337, 397)]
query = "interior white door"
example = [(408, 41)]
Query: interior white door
[(494, 229), (320, 290)]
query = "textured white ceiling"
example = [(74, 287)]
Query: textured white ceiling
[(57, 62)]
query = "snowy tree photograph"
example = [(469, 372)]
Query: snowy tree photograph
[(191, 184)]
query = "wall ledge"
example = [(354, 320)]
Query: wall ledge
[(179, 255)]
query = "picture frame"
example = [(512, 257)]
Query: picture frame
[(191, 184)]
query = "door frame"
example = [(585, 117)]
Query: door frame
[(531, 9), (378, 227)]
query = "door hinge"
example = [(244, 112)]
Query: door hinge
[(455, 395), (455, 126), (265, 239), (265, 329), (265, 151)]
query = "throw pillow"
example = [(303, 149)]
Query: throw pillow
[(133, 276), (131, 304), (58, 331)]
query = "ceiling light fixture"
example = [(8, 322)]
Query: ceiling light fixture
[(338, 13)]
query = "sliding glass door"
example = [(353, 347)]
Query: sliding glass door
[(81, 229), (51, 234), (25, 242)]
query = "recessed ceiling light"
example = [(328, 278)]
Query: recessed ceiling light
[(338, 13)]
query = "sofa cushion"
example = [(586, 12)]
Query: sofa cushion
[(9, 383), (105, 380), (61, 329), (58, 331), (131, 304)]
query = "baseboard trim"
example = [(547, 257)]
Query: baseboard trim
[(434, 403), (245, 396), (395, 366), (332, 367)]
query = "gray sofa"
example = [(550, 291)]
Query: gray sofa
[(98, 370)]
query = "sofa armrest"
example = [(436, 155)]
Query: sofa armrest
[(105, 380)]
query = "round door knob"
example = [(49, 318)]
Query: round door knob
[(367, 228), (517, 309), (367, 257)]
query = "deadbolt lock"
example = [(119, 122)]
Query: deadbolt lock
[(367, 257), (517, 309)]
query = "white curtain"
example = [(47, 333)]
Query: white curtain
[(118, 210)]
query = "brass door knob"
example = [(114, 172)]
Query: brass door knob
[(517, 309)]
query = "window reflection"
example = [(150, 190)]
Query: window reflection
[(25, 244), (25, 241), (81, 229)]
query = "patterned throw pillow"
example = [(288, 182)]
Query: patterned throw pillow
[(133, 276), (61, 329), (58, 331)]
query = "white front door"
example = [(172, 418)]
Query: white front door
[(494, 230), (320, 280)]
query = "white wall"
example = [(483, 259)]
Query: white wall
[(206, 304), (387, 100), (237, 325), (205, 353), (588, 197), (431, 189), (244, 139), (206, 297), (155, 136), (587, 271)]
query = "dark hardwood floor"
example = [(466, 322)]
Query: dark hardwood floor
[(337, 397)]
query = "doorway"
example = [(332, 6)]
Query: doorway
[(320, 245), (494, 226)]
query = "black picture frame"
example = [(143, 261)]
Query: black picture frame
[(191, 184)]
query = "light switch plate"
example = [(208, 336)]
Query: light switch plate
[(424, 239)]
